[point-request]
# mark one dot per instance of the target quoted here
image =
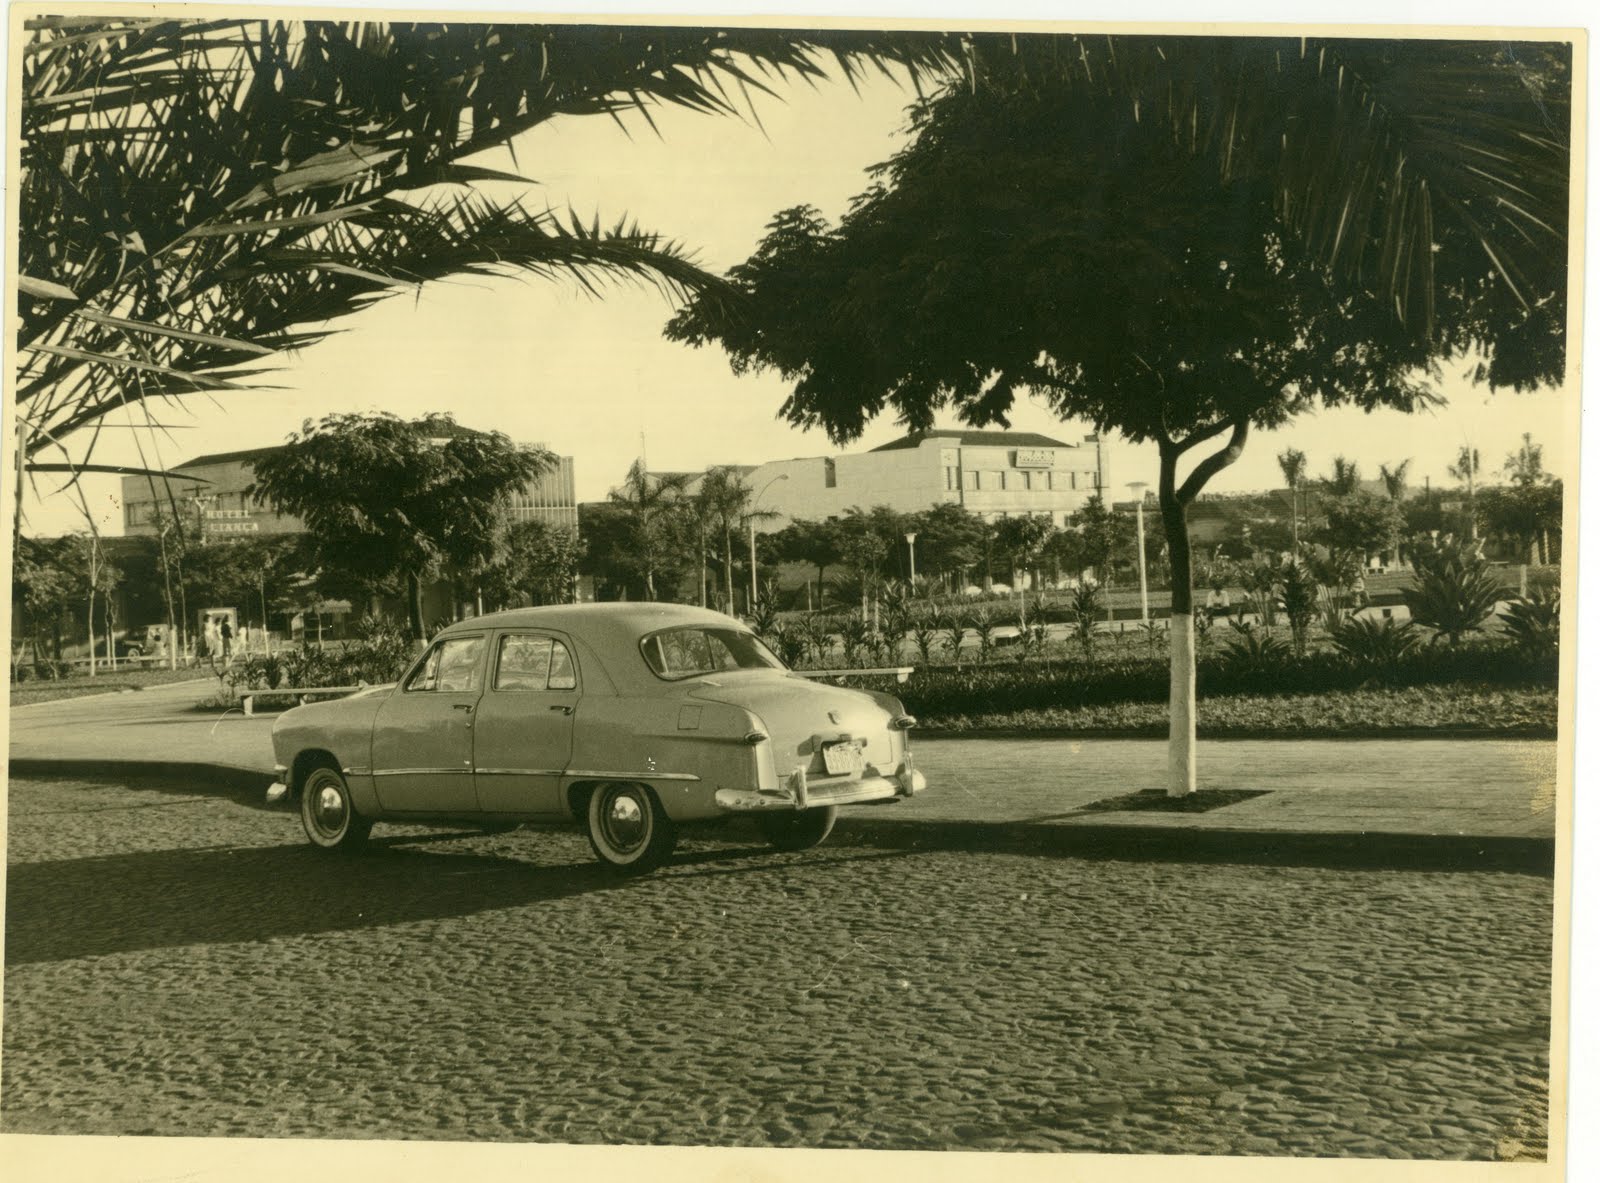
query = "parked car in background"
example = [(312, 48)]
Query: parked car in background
[(632, 720), (138, 642)]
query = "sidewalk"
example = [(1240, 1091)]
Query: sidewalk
[(1453, 797)]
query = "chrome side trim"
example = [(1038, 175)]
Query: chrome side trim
[(422, 772), (356, 771), (519, 772), (631, 775)]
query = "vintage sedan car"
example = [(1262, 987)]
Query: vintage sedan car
[(629, 719)]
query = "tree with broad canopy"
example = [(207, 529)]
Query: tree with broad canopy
[(387, 498), (1183, 240)]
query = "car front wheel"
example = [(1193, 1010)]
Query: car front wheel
[(628, 829), (797, 831), (328, 814)]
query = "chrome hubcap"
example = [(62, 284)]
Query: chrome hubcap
[(625, 823), (328, 809)]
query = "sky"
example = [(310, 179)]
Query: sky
[(593, 378)]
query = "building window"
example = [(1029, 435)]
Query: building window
[(830, 475), (971, 478), (997, 480), (952, 477)]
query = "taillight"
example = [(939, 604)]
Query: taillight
[(903, 722)]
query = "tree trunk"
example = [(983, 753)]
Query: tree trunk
[(727, 569), (702, 570), (91, 631), (1180, 640), (1175, 501), (414, 604)]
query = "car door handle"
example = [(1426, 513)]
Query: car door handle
[(565, 710), (464, 706)]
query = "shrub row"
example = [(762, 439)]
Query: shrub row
[(966, 690)]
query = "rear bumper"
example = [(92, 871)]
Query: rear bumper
[(802, 792), (278, 790)]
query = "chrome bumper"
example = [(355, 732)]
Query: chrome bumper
[(802, 792)]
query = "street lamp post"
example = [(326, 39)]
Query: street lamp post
[(911, 545), (1138, 488), (751, 522)]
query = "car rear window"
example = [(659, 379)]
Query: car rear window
[(685, 652)]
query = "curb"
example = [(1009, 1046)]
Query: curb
[(1230, 734), (1154, 843), (1372, 851)]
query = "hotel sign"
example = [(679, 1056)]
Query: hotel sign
[(1035, 458)]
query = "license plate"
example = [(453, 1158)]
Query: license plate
[(841, 759)]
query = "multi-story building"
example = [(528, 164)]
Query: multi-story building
[(211, 493), (994, 474)]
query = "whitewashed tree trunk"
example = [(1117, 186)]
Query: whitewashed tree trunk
[(1181, 733)]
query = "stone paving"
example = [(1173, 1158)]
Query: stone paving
[(179, 962)]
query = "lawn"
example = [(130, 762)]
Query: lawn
[(77, 685)]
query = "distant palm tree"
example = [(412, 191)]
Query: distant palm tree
[(1292, 462), (1394, 479), (1466, 468), (1394, 484), (1344, 479), (654, 501)]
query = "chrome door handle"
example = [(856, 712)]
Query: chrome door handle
[(464, 706), (563, 710)]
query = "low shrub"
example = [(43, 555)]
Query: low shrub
[(1533, 622), (1129, 677), (1379, 645)]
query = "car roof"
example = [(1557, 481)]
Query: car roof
[(625, 622)]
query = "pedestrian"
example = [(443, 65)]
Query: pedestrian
[(244, 637), (225, 632), (202, 643)]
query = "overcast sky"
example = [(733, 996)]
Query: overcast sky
[(594, 379)]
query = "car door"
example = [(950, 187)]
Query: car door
[(524, 724), (422, 737)]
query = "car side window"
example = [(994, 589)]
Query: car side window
[(534, 663), (451, 667)]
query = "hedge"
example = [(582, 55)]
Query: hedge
[(986, 689)]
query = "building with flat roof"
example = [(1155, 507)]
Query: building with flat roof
[(994, 474), (212, 492)]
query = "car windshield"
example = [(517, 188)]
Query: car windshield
[(685, 652)]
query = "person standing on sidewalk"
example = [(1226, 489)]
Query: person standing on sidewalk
[(225, 632), (203, 643)]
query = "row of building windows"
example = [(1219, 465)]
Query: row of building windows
[(1018, 479)]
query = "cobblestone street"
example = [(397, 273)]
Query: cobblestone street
[(184, 964)]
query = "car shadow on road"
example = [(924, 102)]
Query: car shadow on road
[(1187, 844), (158, 899), (119, 903)]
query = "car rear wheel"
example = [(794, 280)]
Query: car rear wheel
[(328, 814), (628, 829), (797, 831)]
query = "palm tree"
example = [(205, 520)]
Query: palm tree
[(1394, 484), (654, 502), (1466, 468), (1394, 479), (308, 168), (1344, 479), (1292, 463)]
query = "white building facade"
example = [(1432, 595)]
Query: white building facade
[(994, 474)]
